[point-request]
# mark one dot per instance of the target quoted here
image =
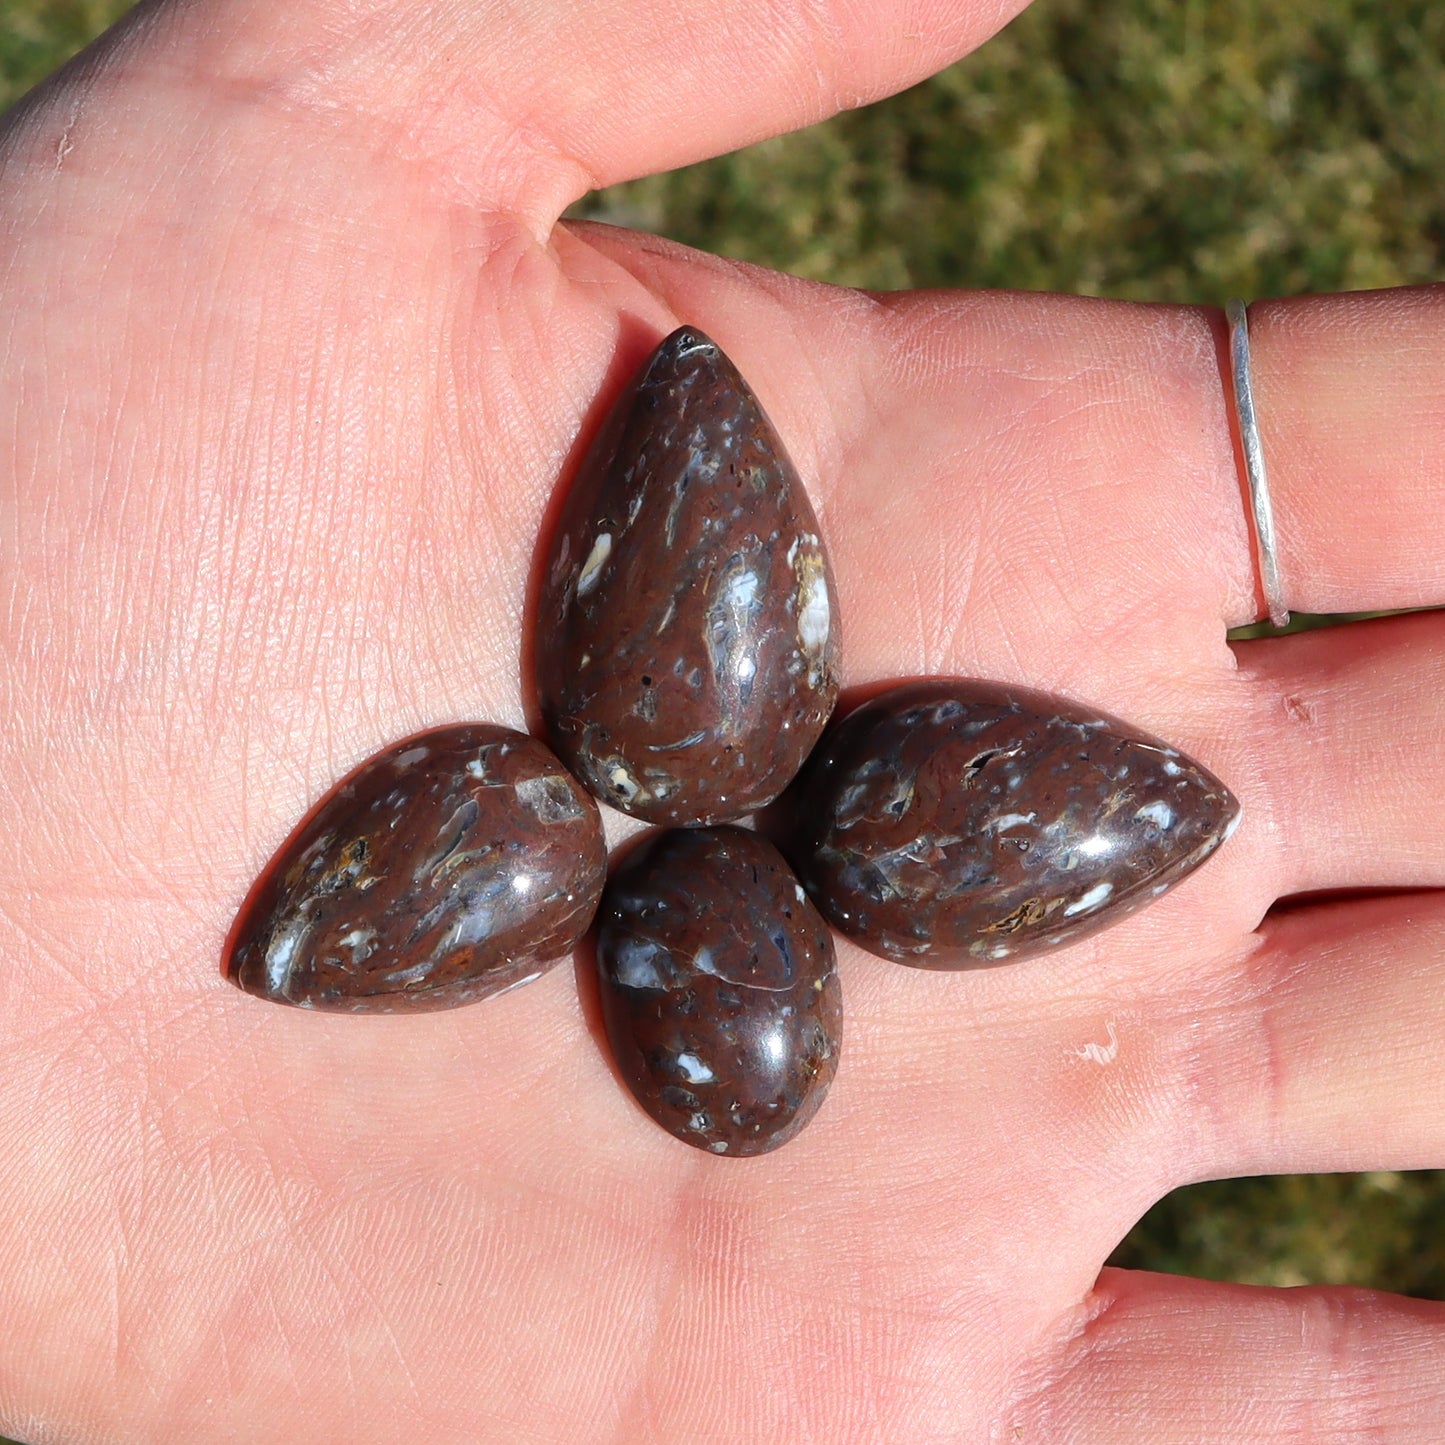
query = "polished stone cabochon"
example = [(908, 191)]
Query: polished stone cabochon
[(718, 989), (953, 823), (450, 867), (687, 631)]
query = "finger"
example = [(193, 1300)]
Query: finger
[(1164, 1361), (1319, 1049), (528, 106), (1347, 735), (1350, 394), (1033, 486), (1071, 425)]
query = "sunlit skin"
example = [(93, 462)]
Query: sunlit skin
[(293, 354)]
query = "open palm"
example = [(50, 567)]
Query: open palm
[(293, 354)]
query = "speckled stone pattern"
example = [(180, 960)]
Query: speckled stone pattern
[(953, 823), (452, 866), (718, 989), (687, 631)]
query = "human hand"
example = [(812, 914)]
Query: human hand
[(293, 357)]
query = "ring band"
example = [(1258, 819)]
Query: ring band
[(1263, 513)]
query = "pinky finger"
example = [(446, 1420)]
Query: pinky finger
[(1163, 1360)]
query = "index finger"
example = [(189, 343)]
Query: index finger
[(1045, 429)]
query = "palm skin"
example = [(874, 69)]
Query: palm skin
[(294, 356)]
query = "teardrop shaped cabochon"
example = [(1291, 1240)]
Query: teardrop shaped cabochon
[(956, 823), (687, 627)]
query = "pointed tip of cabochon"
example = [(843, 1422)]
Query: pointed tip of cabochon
[(687, 339), (1233, 815), (683, 350)]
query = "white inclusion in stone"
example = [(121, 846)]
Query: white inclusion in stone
[(1172, 768), (282, 953), (1009, 820), (741, 591), (1158, 813), (411, 756), (703, 461), (480, 767), (694, 1070), (473, 927), (550, 797), (623, 782), (596, 560), (814, 613), (798, 889), (730, 624), (361, 942), (634, 965), (1092, 899), (695, 346), (404, 977), (999, 950)]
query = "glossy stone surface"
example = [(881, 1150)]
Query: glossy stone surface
[(687, 631), (454, 865), (718, 989), (953, 823)]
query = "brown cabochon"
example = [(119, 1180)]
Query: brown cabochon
[(687, 632), (718, 989), (449, 867), (951, 823)]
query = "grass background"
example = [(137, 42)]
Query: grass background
[(1179, 150)]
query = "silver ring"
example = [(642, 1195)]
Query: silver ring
[(1263, 513)]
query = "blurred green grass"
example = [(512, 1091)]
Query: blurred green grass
[(1178, 150), (36, 36)]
